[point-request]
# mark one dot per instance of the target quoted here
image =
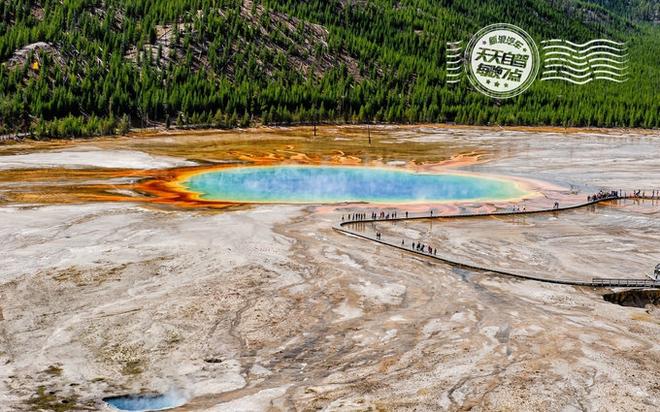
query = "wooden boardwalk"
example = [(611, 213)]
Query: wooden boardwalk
[(594, 283)]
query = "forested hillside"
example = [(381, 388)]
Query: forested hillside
[(87, 67)]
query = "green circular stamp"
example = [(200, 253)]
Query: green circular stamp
[(501, 60)]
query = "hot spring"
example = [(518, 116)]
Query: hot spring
[(337, 184), (146, 403)]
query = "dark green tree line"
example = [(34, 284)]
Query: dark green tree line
[(89, 67)]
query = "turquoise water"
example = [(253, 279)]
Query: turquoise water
[(145, 403), (335, 184)]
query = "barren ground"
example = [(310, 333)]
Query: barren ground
[(267, 308)]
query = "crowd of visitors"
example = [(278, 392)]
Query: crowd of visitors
[(655, 194), (356, 216), (428, 249), (603, 195), (616, 194), (420, 247), (376, 215)]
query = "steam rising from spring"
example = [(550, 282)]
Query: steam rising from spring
[(152, 402), (334, 184)]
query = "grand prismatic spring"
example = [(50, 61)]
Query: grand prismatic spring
[(200, 271), (336, 184)]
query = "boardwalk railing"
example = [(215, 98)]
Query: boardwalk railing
[(631, 283), (595, 282)]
